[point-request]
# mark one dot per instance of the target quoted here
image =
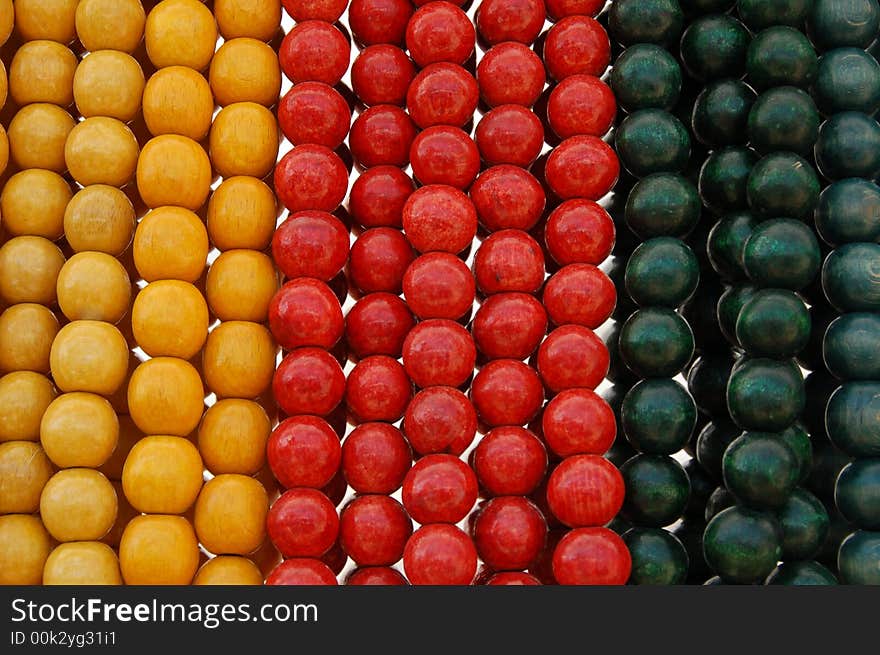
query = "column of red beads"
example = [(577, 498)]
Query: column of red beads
[(311, 248)]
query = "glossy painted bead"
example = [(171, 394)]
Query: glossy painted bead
[(714, 47), (572, 356), (773, 323), (854, 560), (440, 420), (721, 112), (805, 524), (506, 20), (637, 21), (585, 491), (658, 416), (578, 421), (658, 557), (509, 533), (305, 312), (302, 523), (509, 326), (760, 469), (838, 23), (506, 392), (304, 451), (848, 79), (378, 196), (381, 75), (311, 244), (576, 45), (765, 394), (442, 94), (379, 21), (507, 197), (580, 294), (662, 271), (439, 489), (440, 32), (591, 556), (856, 493), (382, 136), (377, 325), (847, 348), (311, 177), (781, 56), (439, 285), (652, 141), (509, 260), (375, 458), (313, 112), (373, 530), (783, 184), (849, 278), (314, 51), (726, 242), (510, 74), (849, 146), (510, 461), (662, 204), (783, 118), (444, 155), (379, 259), (440, 554), (510, 134), (742, 545), (439, 352), (377, 389), (579, 232), (656, 342), (582, 167), (782, 253), (646, 76), (846, 210), (657, 490), (308, 381), (851, 420)]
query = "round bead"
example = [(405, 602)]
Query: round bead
[(79, 429), (848, 146), (241, 214), (657, 490), (439, 489), (851, 420), (27, 331), (646, 76), (379, 195), (110, 24), (24, 547), (652, 141), (301, 571), (509, 260), (509, 326), (240, 286), (249, 423), (658, 557), (507, 197), (24, 471), (78, 505), (173, 170), (311, 177), (311, 244), (845, 212), (804, 523), (304, 451), (180, 33), (440, 554), (238, 359), (855, 556), (509, 533), (439, 285), (579, 232), (25, 395), (783, 118), (440, 32), (442, 94), (379, 259), (328, 11), (585, 491), (510, 461), (379, 21), (244, 140), (726, 242), (847, 347), (801, 573), (377, 325), (509, 134), (52, 20), (158, 550), (375, 458), (377, 389), (89, 356), (662, 271), (101, 150), (714, 47), (764, 394), (760, 469), (439, 218), (729, 306), (258, 19), (581, 104), (506, 392), (108, 83), (838, 23), (506, 20), (656, 342), (314, 51), (849, 278), (576, 45), (848, 79), (99, 218), (580, 294), (230, 515), (245, 70), (373, 530), (33, 202), (582, 167), (759, 15), (162, 475), (658, 416), (93, 286), (662, 204), (228, 570), (773, 323), (382, 136), (440, 420), (87, 563), (781, 56), (376, 575), (721, 112), (37, 134), (444, 155), (29, 268), (42, 71), (637, 21), (572, 356), (303, 523), (510, 74), (578, 421), (742, 545), (782, 253), (381, 75), (308, 381), (591, 556), (154, 409), (724, 176), (856, 493), (178, 100)]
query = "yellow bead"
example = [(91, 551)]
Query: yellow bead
[(42, 71), (89, 356), (240, 286), (166, 396), (129, 435), (174, 170), (124, 515), (78, 505), (101, 150), (245, 70), (100, 218), (82, 563), (239, 359), (24, 397), (37, 135), (178, 100), (79, 429), (242, 213), (229, 570), (24, 471), (109, 83), (170, 318), (233, 436), (258, 19), (33, 202), (110, 24), (230, 516), (29, 268), (94, 286), (181, 33), (158, 550), (7, 20), (24, 547), (46, 19), (27, 331), (244, 140), (171, 243), (162, 475)]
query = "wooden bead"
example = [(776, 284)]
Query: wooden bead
[(174, 170), (233, 435), (52, 20), (743, 545), (721, 113), (110, 24), (849, 146), (805, 524), (658, 557), (26, 334), (848, 348), (129, 435), (42, 71), (79, 429), (849, 279), (759, 15), (781, 56), (24, 471), (782, 253), (37, 134), (228, 570), (108, 83), (239, 359), (663, 204), (7, 20), (856, 495), (178, 100), (656, 342), (662, 271), (638, 21), (245, 70), (646, 76), (4, 150), (82, 563), (765, 394), (657, 490), (99, 218), (846, 212), (171, 243), (760, 470), (783, 184), (162, 475), (852, 421), (839, 23), (24, 397), (230, 515), (848, 79), (773, 323), (723, 180), (240, 286), (652, 141), (170, 318), (180, 33), (154, 409), (783, 118), (726, 242), (241, 214), (94, 286), (258, 19), (24, 547), (101, 150), (33, 202), (244, 140), (658, 416), (714, 47), (29, 267), (78, 505), (89, 356), (800, 573), (158, 550)]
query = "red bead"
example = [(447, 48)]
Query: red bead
[(313, 112), (376, 575), (592, 556), (542, 569), (439, 218), (373, 530), (445, 155), (379, 258), (378, 196), (510, 134), (302, 523), (375, 458), (510, 461), (510, 20), (440, 554), (314, 51), (308, 381), (509, 260), (509, 533), (508, 197), (577, 45), (585, 491), (562, 8), (510, 74), (507, 392), (440, 31), (326, 10), (379, 21), (381, 75), (382, 136), (580, 294), (378, 389), (572, 356), (301, 572), (581, 104), (513, 578), (579, 231), (311, 244), (303, 451), (442, 94), (439, 489), (311, 177), (509, 326), (440, 420), (582, 167), (578, 421), (305, 312), (439, 352), (439, 285), (377, 325)]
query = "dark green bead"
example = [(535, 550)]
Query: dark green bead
[(783, 184), (658, 558), (760, 14), (858, 493), (693, 7), (656, 342), (849, 146), (858, 558), (663, 271), (742, 545), (801, 574), (707, 382), (711, 444), (760, 470), (851, 277), (773, 323), (726, 243), (799, 442), (652, 141), (719, 501), (721, 113), (838, 23), (702, 486), (645, 21), (851, 348), (804, 524), (618, 372), (848, 79), (782, 253), (765, 394), (828, 462), (849, 211), (658, 416), (781, 56), (853, 418), (646, 76), (724, 178), (784, 118), (664, 204), (714, 47), (729, 306), (657, 490)]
